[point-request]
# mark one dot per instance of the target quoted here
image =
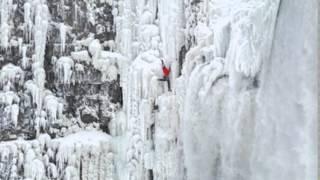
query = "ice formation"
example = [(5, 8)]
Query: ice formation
[(63, 37), (80, 96), (14, 114), (81, 56), (52, 106), (35, 92), (108, 63), (10, 101), (11, 74), (9, 98), (210, 120), (28, 20), (40, 27), (89, 151), (25, 61), (39, 76), (6, 10), (64, 70)]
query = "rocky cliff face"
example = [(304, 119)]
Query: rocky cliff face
[(38, 75), (80, 96), (51, 88)]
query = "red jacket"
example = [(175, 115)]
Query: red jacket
[(165, 71)]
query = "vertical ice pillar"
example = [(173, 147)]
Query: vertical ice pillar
[(27, 21), (125, 23), (6, 7), (63, 32), (170, 14), (40, 34), (41, 15)]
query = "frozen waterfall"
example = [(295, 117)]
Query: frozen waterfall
[(84, 89)]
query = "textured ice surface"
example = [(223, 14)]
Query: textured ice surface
[(87, 154), (83, 77), (11, 74), (218, 105), (287, 100), (64, 69)]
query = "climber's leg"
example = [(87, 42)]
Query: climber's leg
[(168, 81)]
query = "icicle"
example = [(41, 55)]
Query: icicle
[(6, 7), (45, 12), (27, 20), (15, 114), (4, 34), (44, 140), (28, 158), (222, 37), (51, 105), (37, 170), (64, 69), (25, 59), (41, 28), (62, 37), (9, 98), (20, 42), (38, 46), (11, 73), (53, 171), (40, 121), (35, 91), (75, 12), (95, 48), (90, 14), (62, 9), (39, 77)]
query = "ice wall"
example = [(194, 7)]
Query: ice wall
[(224, 119), (287, 100), (252, 119)]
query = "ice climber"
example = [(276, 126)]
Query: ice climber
[(166, 73)]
